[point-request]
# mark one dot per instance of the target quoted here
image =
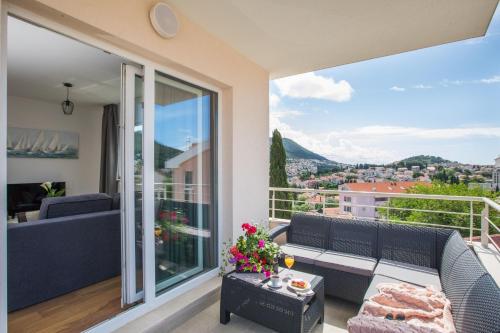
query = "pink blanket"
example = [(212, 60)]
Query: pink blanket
[(423, 309)]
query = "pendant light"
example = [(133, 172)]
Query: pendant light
[(67, 105)]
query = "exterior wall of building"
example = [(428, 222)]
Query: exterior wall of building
[(354, 200), (194, 52)]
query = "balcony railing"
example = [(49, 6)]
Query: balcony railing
[(479, 216)]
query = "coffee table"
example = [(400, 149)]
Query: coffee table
[(279, 309)]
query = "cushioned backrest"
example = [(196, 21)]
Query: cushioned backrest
[(353, 236), (405, 243), (75, 205), (309, 230), (453, 249), (442, 236), (479, 311), (463, 275)]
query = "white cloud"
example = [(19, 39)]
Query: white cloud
[(422, 86), (396, 88), (493, 79), (311, 85), (274, 100), (378, 144), (447, 83)]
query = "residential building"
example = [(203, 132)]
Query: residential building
[(496, 175), (362, 199)]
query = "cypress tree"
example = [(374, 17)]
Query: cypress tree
[(277, 174)]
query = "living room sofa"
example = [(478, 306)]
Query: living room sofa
[(76, 243), (354, 256)]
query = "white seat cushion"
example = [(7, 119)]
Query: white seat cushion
[(301, 253), (346, 262)]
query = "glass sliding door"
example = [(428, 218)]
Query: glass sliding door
[(132, 161), (185, 228)]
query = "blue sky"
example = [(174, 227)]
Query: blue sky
[(443, 101)]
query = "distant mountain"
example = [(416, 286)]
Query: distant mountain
[(162, 153), (423, 160), (295, 151)]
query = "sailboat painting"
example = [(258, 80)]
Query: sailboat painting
[(41, 143)]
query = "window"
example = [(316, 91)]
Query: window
[(185, 160), (347, 199)]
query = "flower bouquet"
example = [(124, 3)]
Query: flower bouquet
[(253, 251)]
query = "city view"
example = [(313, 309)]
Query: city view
[(421, 122)]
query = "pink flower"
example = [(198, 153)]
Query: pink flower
[(262, 243), (267, 273)]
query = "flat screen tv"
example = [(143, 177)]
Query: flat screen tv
[(27, 197)]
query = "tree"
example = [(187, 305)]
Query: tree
[(277, 175), (462, 219)]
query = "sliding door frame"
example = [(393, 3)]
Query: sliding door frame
[(3, 167), (151, 300)]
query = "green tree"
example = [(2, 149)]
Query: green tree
[(277, 175), (462, 219)]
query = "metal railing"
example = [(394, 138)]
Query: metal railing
[(482, 214)]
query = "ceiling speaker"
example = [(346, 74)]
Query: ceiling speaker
[(164, 20)]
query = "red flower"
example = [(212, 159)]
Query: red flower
[(263, 261), (245, 226), (173, 215), (252, 230), (165, 236), (163, 214), (233, 250)]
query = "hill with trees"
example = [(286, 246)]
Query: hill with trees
[(295, 151)]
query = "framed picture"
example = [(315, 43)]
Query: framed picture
[(41, 143)]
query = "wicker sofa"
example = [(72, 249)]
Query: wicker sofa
[(354, 256)]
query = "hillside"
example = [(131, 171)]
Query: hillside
[(295, 151), (162, 152), (423, 160)]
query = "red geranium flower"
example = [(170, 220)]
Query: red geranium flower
[(252, 230)]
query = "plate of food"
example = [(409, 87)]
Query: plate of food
[(299, 285)]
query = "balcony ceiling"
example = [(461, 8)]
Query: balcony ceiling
[(294, 36)]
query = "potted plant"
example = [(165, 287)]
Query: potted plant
[(254, 252), (50, 191)]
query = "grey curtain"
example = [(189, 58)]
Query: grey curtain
[(109, 150)]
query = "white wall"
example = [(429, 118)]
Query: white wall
[(81, 175)]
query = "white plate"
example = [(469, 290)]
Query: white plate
[(306, 289)]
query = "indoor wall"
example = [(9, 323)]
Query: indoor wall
[(81, 175)]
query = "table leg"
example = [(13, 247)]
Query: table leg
[(225, 316)]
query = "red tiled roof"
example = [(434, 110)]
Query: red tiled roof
[(389, 187)]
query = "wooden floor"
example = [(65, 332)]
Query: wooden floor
[(73, 312)]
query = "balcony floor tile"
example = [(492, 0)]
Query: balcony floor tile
[(337, 312)]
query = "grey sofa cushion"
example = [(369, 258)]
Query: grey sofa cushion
[(345, 262), (479, 311), (417, 275), (301, 253), (453, 249), (406, 243), (463, 275), (353, 236), (372, 289), (75, 205), (309, 230)]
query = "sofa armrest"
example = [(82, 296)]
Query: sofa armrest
[(276, 231)]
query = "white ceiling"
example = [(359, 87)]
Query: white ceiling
[(39, 61), (295, 36)]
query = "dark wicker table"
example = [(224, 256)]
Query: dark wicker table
[(279, 309)]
